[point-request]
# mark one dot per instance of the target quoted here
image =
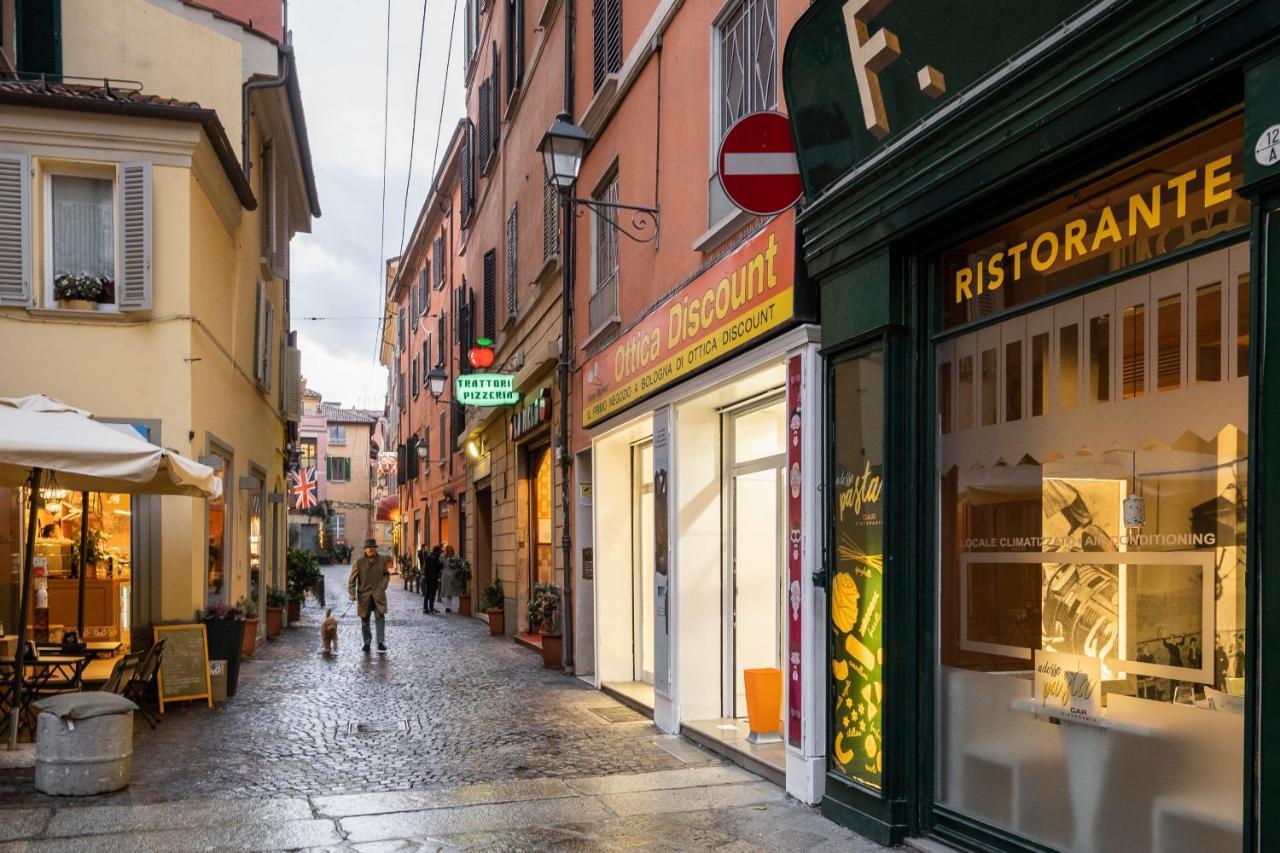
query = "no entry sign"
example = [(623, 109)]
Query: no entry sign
[(757, 164)]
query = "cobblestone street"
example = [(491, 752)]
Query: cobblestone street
[(477, 725)]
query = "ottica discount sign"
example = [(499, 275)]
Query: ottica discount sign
[(740, 299), (486, 389)]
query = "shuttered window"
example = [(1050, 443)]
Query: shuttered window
[(266, 201), (15, 230), (292, 381), (515, 45), (338, 469), (437, 265), (513, 272), (495, 92), (422, 288), (274, 212), (133, 290), (265, 338), (489, 306), (414, 382), (444, 437), (426, 356), (606, 40), (441, 334), (603, 306), (467, 203), (485, 142), (550, 223)]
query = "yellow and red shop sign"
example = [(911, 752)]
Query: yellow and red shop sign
[(738, 300)]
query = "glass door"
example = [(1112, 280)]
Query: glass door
[(642, 560), (756, 456)]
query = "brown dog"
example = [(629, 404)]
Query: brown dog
[(329, 632)]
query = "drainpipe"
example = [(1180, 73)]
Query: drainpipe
[(286, 52), (566, 356)]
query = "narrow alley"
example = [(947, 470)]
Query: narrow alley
[(469, 744)]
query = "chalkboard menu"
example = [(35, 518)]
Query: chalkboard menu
[(184, 665)]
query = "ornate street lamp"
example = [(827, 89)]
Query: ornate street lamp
[(562, 147)]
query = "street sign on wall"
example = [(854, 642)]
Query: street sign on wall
[(486, 389), (757, 164)]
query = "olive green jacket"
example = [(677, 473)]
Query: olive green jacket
[(368, 583)]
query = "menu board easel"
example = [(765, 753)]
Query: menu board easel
[(184, 667)]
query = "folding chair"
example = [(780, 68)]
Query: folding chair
[(121, 673), (143, 679)]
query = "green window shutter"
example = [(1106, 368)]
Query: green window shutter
[(39, 36), (15, 229), (134, 287)]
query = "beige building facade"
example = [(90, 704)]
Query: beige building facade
[(137, 203)]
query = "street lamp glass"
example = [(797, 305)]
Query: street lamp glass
[(562, 148), (422, 451), (435, 381)]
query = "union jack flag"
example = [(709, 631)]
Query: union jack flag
[(304, 488)]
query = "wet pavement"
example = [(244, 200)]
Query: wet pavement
[(471, 745)]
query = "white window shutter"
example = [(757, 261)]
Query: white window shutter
[(293, 383), (15, 229), (268, 348), (280, 244), (260, 334), (266, 204), (133, 290)]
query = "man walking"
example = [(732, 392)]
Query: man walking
[(432, 565), (368, 586)]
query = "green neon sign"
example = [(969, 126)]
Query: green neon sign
[(486, 389)]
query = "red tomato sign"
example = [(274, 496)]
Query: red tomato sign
[(757, 164)]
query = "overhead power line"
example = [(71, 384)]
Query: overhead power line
[(382, 235), (413, 126)]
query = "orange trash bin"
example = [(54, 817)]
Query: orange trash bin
[(764, 703)]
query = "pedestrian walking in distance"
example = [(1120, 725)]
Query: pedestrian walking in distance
[(368, 588), (432, 566)]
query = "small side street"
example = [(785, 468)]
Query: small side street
[(472, 745)]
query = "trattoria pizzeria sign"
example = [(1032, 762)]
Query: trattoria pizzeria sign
[(740, 299), (485, 389)]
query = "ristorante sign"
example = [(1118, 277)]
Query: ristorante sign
[(741, 298)]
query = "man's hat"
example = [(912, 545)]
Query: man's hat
[(370, 543)]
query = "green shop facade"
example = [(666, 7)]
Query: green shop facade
[(1045, 236)]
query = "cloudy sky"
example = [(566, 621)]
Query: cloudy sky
[(335, 270)]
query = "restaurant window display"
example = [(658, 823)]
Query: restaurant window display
[(857, 570), (53, 608), (1092, 459), (255, 543), (219, 534)]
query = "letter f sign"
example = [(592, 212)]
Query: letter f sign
[(871, 55)]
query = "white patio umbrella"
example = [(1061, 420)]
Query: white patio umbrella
[(43, 440)]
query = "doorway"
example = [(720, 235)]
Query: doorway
[(540, 567), (484, 536), (755, 600), (642, 560)]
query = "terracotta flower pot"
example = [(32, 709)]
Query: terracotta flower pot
[(464, 605), (250, 644), (552, 649), (497, 621), (275, 622), (295, 612)]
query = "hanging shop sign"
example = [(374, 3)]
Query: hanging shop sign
[(859, 73), (745, 296), (486, 389), (535, 412), (795, 582)]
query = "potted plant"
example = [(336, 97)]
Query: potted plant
[(82, 292), (249, 608), (491, 602), (224, 627), (276, 602), (301, 574), (460, 570), (544, 612)]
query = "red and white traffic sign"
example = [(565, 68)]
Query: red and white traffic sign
[(757, 163)]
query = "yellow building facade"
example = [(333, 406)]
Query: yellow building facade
[(147, 187)]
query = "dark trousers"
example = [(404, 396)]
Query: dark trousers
[(432, 587)]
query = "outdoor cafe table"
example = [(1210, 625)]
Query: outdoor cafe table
[(45, 674)]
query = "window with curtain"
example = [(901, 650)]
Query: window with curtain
[(338, 469), (83, 218), (604, 268)]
